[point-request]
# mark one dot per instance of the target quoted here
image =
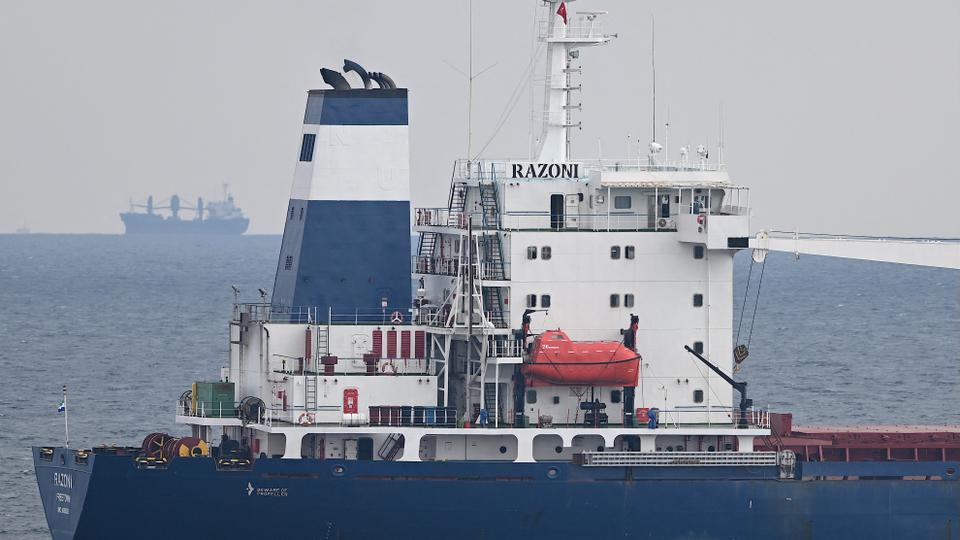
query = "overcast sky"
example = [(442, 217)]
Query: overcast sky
[(842, 116)]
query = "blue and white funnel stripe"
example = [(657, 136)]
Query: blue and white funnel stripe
[(346, 242)]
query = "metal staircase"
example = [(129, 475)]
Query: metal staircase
[(428, 243), (492, 247), (456, 204)]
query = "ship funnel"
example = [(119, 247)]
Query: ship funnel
[(334, 79), (350, 65), (346, 238), (382, 79)]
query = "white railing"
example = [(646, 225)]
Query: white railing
[(511, 348), (675, 459)]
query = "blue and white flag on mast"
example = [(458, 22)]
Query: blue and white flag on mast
[(63, 406)]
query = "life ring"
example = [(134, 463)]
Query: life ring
[(396, 317), (388, 364), (701, 219), (305, 419)]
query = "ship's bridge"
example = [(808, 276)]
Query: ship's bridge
[(697, 200)]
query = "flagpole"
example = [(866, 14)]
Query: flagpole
[(66, 425)]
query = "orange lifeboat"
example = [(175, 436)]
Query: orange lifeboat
[(555, 360)]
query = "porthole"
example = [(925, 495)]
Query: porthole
[(711, 448), (599, 449), (553, 472), (558, 449), (337, 470), (503, 449)]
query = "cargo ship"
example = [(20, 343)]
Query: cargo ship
[(563, 366), (214, 217)]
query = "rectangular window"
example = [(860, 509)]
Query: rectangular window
[(614, 252), (532, 252), (614, 300), (622, 202), (546, 253), (531, 300), (628, 300), (306, 148), (531, 396), (629, 252), (615, 396), (697, 252), (698, 300), (698, 347), (698, 396), (545, 300)]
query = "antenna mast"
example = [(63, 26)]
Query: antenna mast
[(470, 83), (653, 67)]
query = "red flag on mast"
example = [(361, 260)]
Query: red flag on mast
[(562, 11)]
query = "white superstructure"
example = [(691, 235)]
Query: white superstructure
[(592, 246)]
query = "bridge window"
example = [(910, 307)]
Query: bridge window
[(629, 252), (697, 252), (628, 300), (614, 300), (531, 300), (614, 252), (306, 148), (545, 300), (532, 252), (698, 396), (546, 253), (622, 202), (698, 300)]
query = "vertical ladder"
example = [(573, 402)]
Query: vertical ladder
[(310, 393), (490, 402), (323, 340)]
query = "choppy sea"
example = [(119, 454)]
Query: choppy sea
[(127, 323)]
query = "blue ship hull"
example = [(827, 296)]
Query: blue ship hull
[(108, 496)]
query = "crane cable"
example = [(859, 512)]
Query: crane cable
[(756, 302)]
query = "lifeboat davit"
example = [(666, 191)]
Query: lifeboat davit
[(556, 360)]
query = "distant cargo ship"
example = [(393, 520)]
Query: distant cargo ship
[(214, 217)]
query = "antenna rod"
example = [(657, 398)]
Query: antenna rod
[(470, 83), (653, 67)]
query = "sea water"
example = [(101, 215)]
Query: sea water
[(128, 323)]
